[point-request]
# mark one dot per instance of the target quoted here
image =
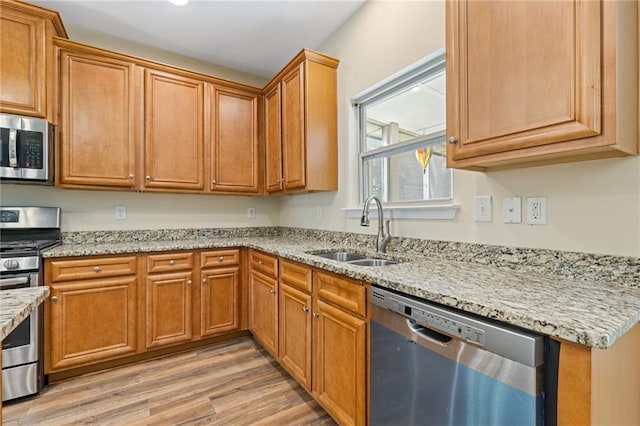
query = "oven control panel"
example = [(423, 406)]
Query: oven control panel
[(9, 216)]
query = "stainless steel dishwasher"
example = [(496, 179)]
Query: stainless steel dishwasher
[(431, 365)]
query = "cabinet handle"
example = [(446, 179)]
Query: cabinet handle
[(130, 176), (96, 269), (272, 291), (172, 262), (316, 315), (147, 177), (213, 181), (260, 262), (54, 298), (204, 281), (188, 282), (305, 309), (221, 258), (452, 140)]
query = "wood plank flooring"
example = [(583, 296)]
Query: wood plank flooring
[(231, 383)]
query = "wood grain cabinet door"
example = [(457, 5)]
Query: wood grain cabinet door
[(293, 129), (219, 300), (174, 132), (263, 310), (98, 120), (234, 146), (91, 321), (521, 75), (339, 363), (295, 333), (22, 68), (168, 305), (273, 139)]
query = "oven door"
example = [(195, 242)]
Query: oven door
[(21, 346)]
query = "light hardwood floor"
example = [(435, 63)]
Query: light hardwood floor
[(231, 383)]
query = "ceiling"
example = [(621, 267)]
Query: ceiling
[(258, 37)]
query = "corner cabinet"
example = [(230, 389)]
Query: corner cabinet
[(27, 65), (301, 125), (519, 95)]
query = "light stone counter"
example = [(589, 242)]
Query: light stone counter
[(18, 304), (590, 312)]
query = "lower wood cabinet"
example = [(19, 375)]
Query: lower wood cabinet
[(219, 292), (263, 300), (90, 319), (295, 333)]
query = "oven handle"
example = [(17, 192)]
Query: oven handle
[(13, 149), (10, 282)]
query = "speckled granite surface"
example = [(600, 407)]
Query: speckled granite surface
[(594, 312), (16, 305)]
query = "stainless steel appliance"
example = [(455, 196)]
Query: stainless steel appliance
[(26, 149), (24, 231), (432, 365)]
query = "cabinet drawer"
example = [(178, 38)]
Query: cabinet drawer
[(343, 292), (264, 263), (296, 275), (211, 259), (169, 262), (82, 269)]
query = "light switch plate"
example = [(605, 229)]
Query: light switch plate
[(512, 210), (483, 208), (251, 212), (120, 212)]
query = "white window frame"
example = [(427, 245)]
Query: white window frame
[(407, 77)]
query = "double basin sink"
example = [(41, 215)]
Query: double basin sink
[(354, 258)]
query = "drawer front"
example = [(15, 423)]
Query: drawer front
[(296, 275), (212, 259), (343, 292), (169, 262), (82, 269), (264, 263)]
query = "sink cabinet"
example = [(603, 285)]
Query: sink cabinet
[(519, 96), (27, 65)]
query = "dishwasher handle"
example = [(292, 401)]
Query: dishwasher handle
[(429, 333)]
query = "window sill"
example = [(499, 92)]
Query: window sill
[(434, 212)]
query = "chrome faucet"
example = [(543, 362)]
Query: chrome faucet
[(383, 225)]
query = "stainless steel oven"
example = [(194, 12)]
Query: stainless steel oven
[(24, 232), (26, 149)]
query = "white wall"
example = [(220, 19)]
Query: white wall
[(592, 206)]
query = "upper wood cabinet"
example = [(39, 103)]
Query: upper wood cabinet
[(308, 125), (26, 68), (234, 151), (98, 126), (174, 131), (536, 82)]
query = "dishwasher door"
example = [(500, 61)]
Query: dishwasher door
[(433, 366)]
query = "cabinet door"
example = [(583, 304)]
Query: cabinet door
[(293, 131), (339, 381), (90, 321), (174, 132), (168, 304), (22, 69), (98, 122), (273, 139), (521, 74), (234, 145), (219, 300), (295, 333), (263, 311)]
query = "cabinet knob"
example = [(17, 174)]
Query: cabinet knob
[(147, 177), (221, 258), (260, 262), (453, 140), (189, 282), (316, 315), (54, 298), (213, 181), (96, 269), (204, 281), (272, 291), (130, 176), (305, 309), (172, 262)]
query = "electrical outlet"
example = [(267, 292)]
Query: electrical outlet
[(251, 212), (120, 212), (537, 211), (511, 210), (483, 208)]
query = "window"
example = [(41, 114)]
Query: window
[(401, 127)]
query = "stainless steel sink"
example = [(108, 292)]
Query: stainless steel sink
[(373, 262), (340, 256)]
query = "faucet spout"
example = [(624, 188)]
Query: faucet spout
[(383, 236)]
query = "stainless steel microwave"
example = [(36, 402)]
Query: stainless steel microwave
[(26, 149)]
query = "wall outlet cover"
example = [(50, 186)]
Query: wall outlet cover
[(512, 210), (483, 208), (251, 212), (120, 212), (537, 210)]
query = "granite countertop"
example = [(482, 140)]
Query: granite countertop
[(589, 312), (16, 305)]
